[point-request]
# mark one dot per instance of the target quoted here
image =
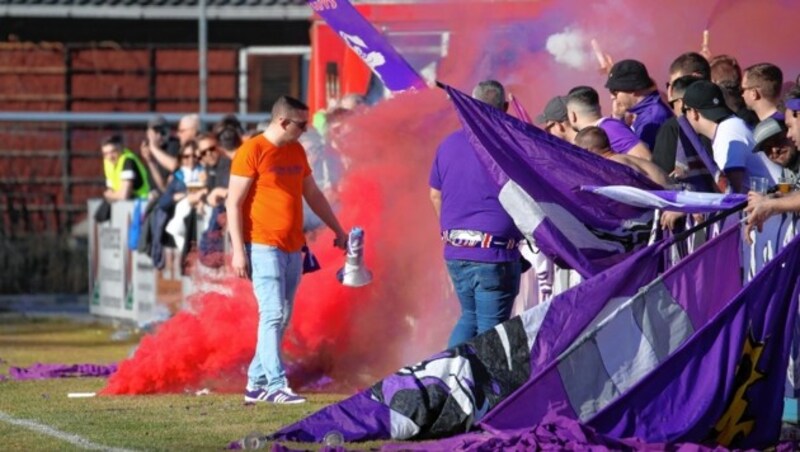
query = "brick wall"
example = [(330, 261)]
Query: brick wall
[(35, 77)]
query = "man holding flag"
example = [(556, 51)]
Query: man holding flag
[(480, 237)]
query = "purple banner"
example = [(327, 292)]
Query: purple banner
[(539, 177), (726, 384), (385, 62), (618, 339)]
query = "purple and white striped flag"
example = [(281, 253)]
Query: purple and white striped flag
[(680, 201)]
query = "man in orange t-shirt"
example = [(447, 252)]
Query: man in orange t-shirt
[(270, 176)]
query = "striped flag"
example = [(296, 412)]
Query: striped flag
[(681, 201)]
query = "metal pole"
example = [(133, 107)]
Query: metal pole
[(202, 38), (66, 164)]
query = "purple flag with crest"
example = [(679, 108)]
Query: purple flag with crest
[(726, 384), (539, 177), (384, 61)]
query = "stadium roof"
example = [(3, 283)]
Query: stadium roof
[(157, 9)]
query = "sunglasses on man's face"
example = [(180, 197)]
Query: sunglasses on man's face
[(300, 124), (207, 150)]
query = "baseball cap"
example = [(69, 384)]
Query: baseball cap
[(157, 122), (555, 110), (707, 98), (628, 76), (767, 129)]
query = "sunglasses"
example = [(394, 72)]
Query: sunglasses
[(186, 156), (300, 124), (207, 150)]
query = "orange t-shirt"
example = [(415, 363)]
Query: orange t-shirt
[(272, 213)]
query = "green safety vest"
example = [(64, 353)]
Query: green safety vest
[(114, 172)]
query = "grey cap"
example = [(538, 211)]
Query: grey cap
[(157, 122), (767, 129), (555, 110)]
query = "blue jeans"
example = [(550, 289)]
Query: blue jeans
[(275, 275), (486, 292)]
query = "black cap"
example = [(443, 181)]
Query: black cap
[(628, 76), (706, 97), (767, 129), (555, 110)]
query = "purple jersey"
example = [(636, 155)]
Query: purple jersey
[(469, 200), (650, 113), (620, 136)]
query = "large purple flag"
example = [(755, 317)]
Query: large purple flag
[(539, 177), (385, 62), (449, 392), (627, 338), (726, 384)]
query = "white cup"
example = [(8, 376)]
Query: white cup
[(759, 184)]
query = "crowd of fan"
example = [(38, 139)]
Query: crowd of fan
[(181, 179), (713, 121)]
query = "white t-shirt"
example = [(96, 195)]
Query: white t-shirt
[(733, 149)]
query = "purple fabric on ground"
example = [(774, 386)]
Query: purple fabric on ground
[(554, 433), (40, 371)]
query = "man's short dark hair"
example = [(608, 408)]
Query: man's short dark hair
[(585, 96), (113, 140), (767, 77), (691, 63), (681, 83), (285, 105), (592, 138), (229, 139)]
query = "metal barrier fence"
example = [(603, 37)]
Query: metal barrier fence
[(50, 166)]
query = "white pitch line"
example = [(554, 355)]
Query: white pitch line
[(63, 436)]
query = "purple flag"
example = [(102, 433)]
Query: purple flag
[(395, 72), (539, 177), (519, 109), (726, 384), (626, 338), (680, 201), (447, 393)]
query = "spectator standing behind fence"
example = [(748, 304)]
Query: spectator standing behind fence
[(759, 207), (632, 89), (187, 189), (727, 74), (228, 133), (126, 176), (217, 167), (480, 237), (270, 177), (160, 151)]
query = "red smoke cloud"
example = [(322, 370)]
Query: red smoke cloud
[(356, 336)]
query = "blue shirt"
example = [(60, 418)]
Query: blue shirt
[(469, 200), (650, 113)]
